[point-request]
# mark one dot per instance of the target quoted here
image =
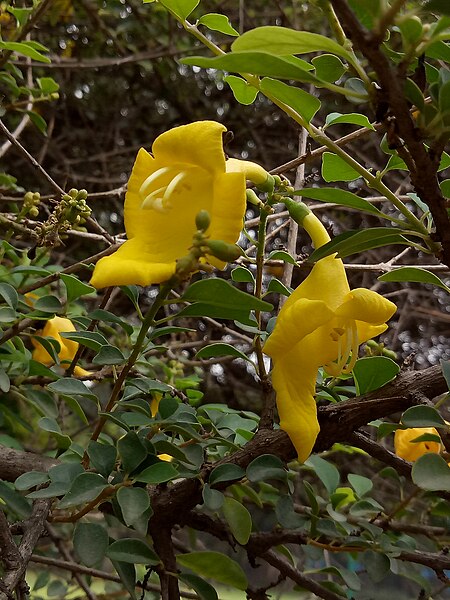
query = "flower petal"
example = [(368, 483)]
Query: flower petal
[(295, 321), (198, 144), (251, 170), (135, 262), (408, 450), (294, 384), (228, 207), (366, 305)]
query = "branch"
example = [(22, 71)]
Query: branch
[(424, 172)]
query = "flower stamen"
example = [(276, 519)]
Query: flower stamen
[(151, 178)]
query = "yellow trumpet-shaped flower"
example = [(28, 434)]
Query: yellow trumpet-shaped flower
[(406, 448), (68, 348), (321, 324), (186, 173)]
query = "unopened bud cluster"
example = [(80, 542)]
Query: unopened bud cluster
[(30, 206), (70, 213), (202, 246)]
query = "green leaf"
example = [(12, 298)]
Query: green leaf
[(75, 288), (102, 457), (361, 485), (204, 590), (445, 364), (104, 315), (181, 8), (445, 188), (341, 197), (49, 304), (414, 274), (226, 472), (131, 451), (243, 92), (52, 346), (125, 570), (131, 550), (373, 372), (38, 121), (351, 118), (242, 275), (377, 565), (334, 168), (29, 480), (25, 48), (7, 315), (91, 339), (9, 295), (14, 501), (431, 472), (328, 67), (216, 566), (158, 473), (238, 519), (266, 466), (257, 63), (47, 85), (109, 355), (86, 487), (213, 499), (282, 255), (133, 502), (278, 287), (218, 22), (352, 242), (220, 349), (422, 416), (283, 41), (90, 541), (50, 424), (327, 472), (304, 103), (218, 298), (71, 387)]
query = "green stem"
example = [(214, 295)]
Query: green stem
[(318, 135), (148, 322)]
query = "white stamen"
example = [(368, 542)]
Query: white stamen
[(153, 177), (160, 206), (172, 185), (149, 200)]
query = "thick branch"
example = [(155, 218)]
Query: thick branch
[(424, 172)]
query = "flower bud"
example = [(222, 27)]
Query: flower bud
[(202, 220), (297, 210), (73, 193), (186, 265), (33, 212), (253, 198), (224, 251)]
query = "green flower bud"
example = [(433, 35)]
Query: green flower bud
[(73, 193), (297, 210), (253, 198), (224, 251), (28, 198), (82, 194), (202, 220), (186, 265), (33, 212)]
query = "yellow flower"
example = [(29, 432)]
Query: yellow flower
[(186, 173), (321, 324), (406, 448), (68, 348)]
